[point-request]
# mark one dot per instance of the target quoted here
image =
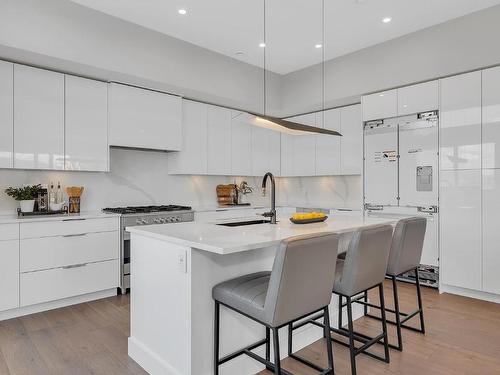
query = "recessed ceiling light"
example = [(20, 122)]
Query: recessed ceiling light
[(318, 45), (182, 11), (387, 20), (262, 45)]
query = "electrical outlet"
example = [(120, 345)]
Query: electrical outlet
[(181, 262)]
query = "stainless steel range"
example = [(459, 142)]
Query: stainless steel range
[(144, 215)]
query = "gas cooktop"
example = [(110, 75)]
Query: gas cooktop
[(145, 209)]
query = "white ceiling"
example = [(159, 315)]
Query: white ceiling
[(293, 27)]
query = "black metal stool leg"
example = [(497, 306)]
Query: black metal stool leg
[(216, 338), (268, 343), (276, 343), (352, 348), (329, 345), (420, 304), (384, 322), (365, 310), (290, 343), (397, 314), (340, 324)]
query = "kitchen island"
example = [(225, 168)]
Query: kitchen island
[(173, 271)]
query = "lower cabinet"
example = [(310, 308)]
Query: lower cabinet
[(9, 274), (491, 234)]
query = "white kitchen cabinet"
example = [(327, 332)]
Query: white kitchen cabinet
[(491, 118), (265, 151), (241, 146), (86, 125), (38, 118), (418, 98), (143, 118), (9, 266), (351, 142), (460, 219), (218, 141), (460, 136), (6, 114), (328, 159), (491, 234), (193, 157), (380, 105)]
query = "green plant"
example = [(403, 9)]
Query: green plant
[(24, 193)]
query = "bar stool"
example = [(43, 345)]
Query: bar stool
[(362, 270), (298, 285), (406, 251)]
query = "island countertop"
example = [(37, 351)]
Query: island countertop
[(214, 238)]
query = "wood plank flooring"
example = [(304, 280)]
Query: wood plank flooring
[(463, 338)]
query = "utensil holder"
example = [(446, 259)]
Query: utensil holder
[(74, 205)]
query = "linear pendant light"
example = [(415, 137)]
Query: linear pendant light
[(279, 124)]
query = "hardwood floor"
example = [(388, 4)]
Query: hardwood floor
[(463, 337)]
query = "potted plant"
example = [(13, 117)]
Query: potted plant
[(25, 195), (243, 190)]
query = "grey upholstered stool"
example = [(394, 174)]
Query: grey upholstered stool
[(299, 284), (363, 269), (406, 251)]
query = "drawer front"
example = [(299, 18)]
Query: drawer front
[(58, 283), (68, 226), (53, 252), (9, 232)]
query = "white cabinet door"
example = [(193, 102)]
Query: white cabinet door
[(38, 118), (418, 98), (86, 125), (460, 218), (6, 114), (304, 148), (460, 136), (351, 142), (241, 146), (193, 157), (491, 118), (328, 146), (144, 119), (286, 155), (491, 234), (380, 105), (265, 151), (9, 275), (219, 140)]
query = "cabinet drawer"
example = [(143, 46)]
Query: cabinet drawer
[(60, 251), (9, 232), (68, 226), (58, 283)]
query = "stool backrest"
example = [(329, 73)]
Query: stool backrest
[(407, 245), (302, 277), (366, 260)]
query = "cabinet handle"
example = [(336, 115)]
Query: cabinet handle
[(75, 235), (76, 219), (74, 266)]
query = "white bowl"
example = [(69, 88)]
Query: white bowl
[(57, 206)]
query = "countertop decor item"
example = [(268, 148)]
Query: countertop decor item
[(308, 218), (243, 190), (25, 195), (74, 194)]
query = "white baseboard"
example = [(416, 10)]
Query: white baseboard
[(27, 310), (484, 296)]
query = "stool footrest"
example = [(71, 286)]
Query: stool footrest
[(242, 351)]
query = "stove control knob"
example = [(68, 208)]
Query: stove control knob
[(178, 219), (138, 222), (169, 220), (156, 221), (144, 221), (163, 220)]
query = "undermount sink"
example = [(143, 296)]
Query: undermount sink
[(247, 222)]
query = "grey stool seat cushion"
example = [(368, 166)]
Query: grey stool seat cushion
[(246, 293)]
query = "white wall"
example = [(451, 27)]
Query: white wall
[(459, 45), (141, 178)]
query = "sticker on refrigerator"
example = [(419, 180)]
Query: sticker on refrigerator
[(384, 156)]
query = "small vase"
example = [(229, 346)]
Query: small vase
[(27, 205)]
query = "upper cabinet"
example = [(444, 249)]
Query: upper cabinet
[(460, 137), (86, 125), (142, 118), (38, 118), (418, 98), (193, 157), (380, 105), (241, 146), (218, 140), (266, 145), (328, 146), (351, 158), (6, 114), (491, 118)]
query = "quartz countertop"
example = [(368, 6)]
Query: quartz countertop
[(13, 218), (210, 236)]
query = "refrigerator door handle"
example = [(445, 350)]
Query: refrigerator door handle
[(428, 209), (373, 207)]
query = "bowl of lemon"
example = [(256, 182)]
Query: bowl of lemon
[(308, 217)]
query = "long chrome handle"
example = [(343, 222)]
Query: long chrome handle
[(75, 219), (75, 266), (75, 235)]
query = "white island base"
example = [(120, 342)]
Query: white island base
[(172, 309)]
